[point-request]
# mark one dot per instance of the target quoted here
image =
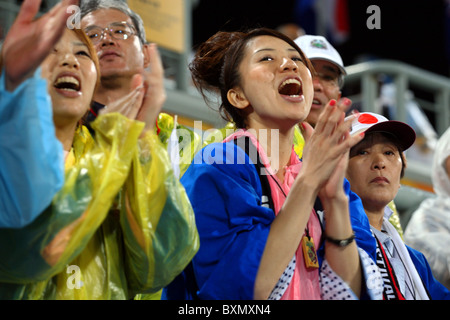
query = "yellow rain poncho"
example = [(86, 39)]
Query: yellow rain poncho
[(187, 140), (121, 225)]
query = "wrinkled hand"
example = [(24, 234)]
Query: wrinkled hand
[(147, 95), (130, 104), (29, 41), (155, 93), (327, 147)]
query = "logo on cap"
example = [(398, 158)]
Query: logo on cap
[(367, 118), (318, 43)]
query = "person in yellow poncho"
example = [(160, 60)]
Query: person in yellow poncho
[(119, 37), (121, 224)]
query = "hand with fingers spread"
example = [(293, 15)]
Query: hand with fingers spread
[(155, 94), (29, 41)]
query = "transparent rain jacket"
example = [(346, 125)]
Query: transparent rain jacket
[(187, 141), (428, 231), (121, 225)]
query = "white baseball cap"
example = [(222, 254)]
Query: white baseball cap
[(372, 122), (317, 47)]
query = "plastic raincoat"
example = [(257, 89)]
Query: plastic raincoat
[(188, 142), (429, 228), (121, 225), (26, 126)]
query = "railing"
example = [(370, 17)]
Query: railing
[(404, 75)]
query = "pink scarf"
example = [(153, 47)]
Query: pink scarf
[(305, 281)]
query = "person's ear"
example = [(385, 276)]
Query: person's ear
[(237, 98)]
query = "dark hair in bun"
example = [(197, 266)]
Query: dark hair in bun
[(215, 66)]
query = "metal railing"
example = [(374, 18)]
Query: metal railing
[(403, 76)]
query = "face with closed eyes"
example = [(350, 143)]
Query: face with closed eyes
[(374, 170), (72, 75), (276, 87)]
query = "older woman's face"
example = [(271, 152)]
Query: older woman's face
[(276, 86), (374, 170), (71, 75)]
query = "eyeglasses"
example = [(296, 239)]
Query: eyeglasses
[(117, 30)]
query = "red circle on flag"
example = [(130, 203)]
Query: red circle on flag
[(367, 118)]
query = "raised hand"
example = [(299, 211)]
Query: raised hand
[(147, 95), (29, 41), (327, 146), (130, 104), (155, 93)]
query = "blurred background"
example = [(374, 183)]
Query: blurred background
[(400, 68)]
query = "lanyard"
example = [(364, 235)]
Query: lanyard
[(391, 290)]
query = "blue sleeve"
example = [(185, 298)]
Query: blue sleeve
[(363, 234), (31, 161), (360, 223), (232, 224), (436, 290)]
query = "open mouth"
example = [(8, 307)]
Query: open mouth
[(291, 87), (67, 83)]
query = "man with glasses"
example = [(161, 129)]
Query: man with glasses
[(128, 62), (119, 38), (126, 58), (329, 77)]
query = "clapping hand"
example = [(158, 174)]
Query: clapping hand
[(147, 95), (30, 40), (155, 94), (327, 147)]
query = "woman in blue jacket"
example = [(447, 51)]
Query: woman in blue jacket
[(260, 235), (375, 168)]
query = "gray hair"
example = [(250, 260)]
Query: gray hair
[(88, 6)]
